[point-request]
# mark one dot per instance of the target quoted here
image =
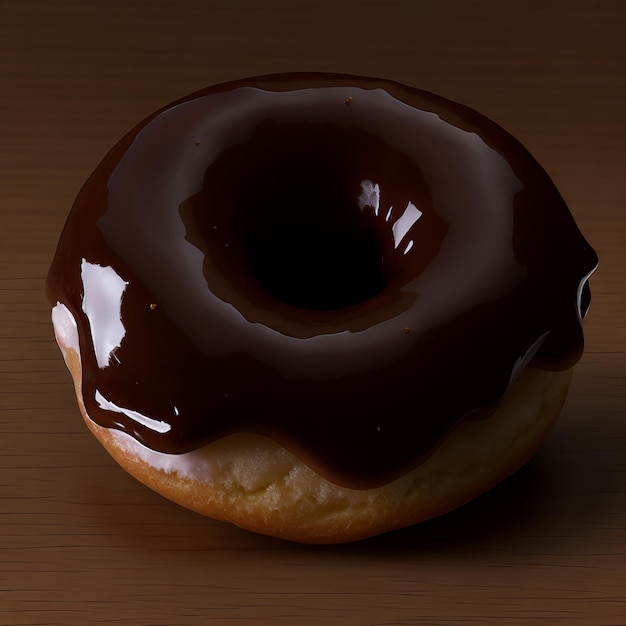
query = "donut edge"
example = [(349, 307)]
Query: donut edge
[(255, 484)]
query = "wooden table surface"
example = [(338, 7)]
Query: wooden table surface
[(83, 543)]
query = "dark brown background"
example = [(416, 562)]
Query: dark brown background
[(83, 543)]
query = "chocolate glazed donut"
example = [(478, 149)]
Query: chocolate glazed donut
[(345, 265)]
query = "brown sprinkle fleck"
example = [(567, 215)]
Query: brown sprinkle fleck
[(152, 306), (407, 330), (197, 142), (349, 100)]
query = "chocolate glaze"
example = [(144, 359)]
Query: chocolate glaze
[(349, 280)]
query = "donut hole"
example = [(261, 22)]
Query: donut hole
[(313, 249), (311, 216)]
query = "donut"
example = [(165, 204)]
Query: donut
[(320, 307)]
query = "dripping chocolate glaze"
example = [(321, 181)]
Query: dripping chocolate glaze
[(349, 280)]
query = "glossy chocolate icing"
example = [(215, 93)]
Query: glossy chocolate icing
[(346, 265)]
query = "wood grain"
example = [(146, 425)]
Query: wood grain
[(82, 543)]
